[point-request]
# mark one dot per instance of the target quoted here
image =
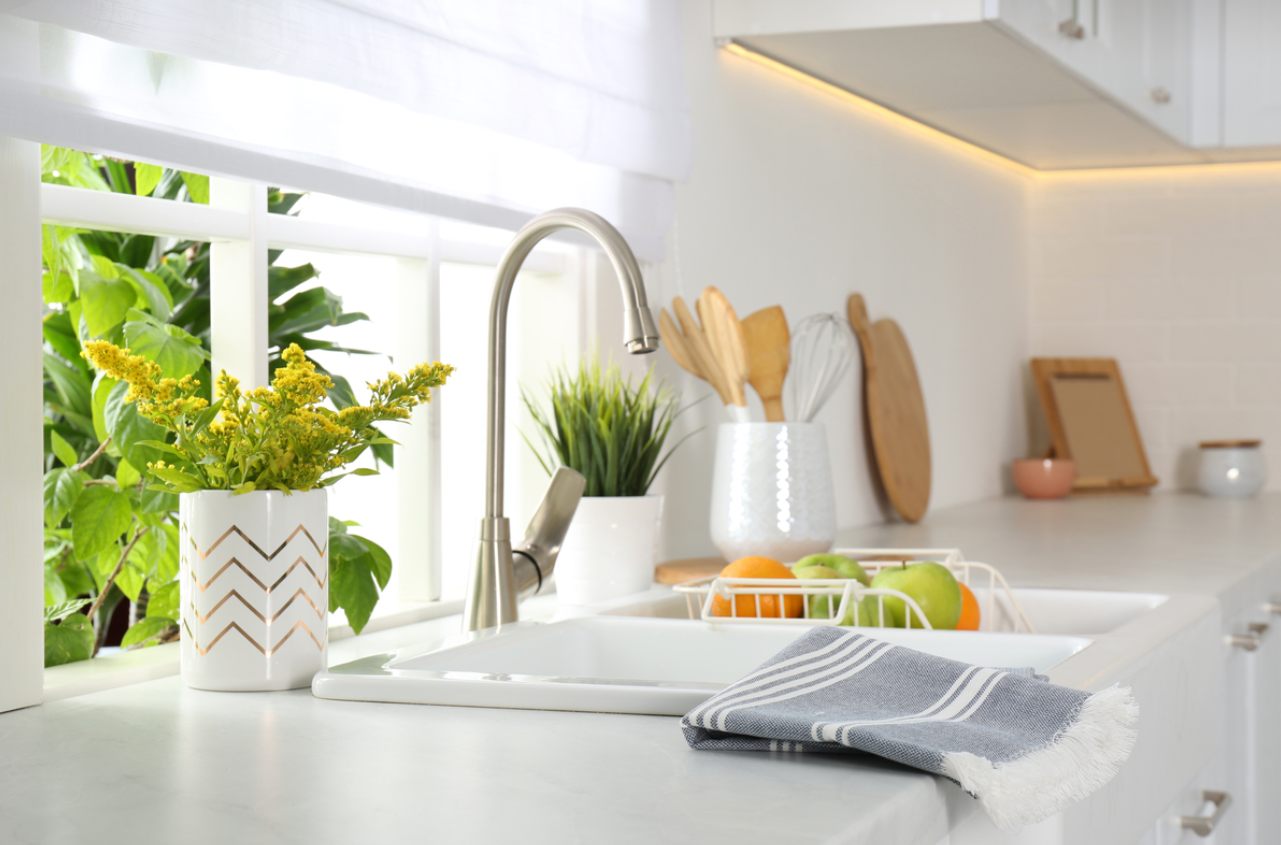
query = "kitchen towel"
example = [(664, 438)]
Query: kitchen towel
[(1025, 748)]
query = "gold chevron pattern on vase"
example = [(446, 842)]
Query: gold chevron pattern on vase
[(253, 603)]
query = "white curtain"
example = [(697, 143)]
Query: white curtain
[(486, 110)]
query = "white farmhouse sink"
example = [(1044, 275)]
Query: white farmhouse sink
[(617, 664)]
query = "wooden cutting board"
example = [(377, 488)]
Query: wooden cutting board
[(687, 569), (895, 409)]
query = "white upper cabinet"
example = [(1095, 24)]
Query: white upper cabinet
[(1051, 83), (1251, 72)]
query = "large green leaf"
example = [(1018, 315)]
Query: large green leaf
[(68, 641), (164, 601), (129, 431), (106, 302), (281, 280), (62, 486), (70, 383), (100, 515), (62, 450), (55, 591), (146, 178), (151, 289), (306, 311), (197, 187), (177, 352), (60, 334)]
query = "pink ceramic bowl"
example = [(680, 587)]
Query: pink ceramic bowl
[(1044, 478)]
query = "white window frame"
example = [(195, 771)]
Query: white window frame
[(241, 232)]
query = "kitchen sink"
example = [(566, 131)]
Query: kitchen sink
[(1073, 612), (625, 663)]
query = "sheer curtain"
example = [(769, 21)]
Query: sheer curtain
[(484, 110)]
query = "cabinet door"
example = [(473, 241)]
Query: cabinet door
[(1265, 719), (1138, 52), (1251, 66)]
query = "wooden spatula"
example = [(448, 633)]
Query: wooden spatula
[(768, 355), (699, 350)]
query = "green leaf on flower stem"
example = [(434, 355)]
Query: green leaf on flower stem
[(62, 486), (176, 352), (181, 481), (68, 641), (128, 430), (98, 518), (106, 302), (146, 632), (62, 450), (164, 601), (358, 569), (56, 286), (126, 474), (146, 178)]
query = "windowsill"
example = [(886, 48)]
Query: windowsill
[(147, 664)]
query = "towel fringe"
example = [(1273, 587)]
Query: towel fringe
[(1083, 757)]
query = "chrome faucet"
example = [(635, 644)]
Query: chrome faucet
[(503, 575)]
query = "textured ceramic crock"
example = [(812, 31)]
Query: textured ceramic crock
[(1231, 471), (772, 491), (254, 588), (610, 550)]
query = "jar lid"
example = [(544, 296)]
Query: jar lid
[(1231, 444)]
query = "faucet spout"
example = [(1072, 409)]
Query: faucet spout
[(493, 592)]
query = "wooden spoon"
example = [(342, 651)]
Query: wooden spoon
[(674, 343), (699, 350), (768, 356)]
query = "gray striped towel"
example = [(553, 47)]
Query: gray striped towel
[(1025, 748)]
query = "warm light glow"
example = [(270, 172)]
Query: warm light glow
[(879, 112), (941, 139)]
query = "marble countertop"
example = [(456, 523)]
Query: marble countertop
[(156, 761)]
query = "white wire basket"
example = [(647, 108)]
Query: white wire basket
[(774, 601)]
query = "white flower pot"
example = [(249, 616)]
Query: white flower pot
[(610, 550), (772, 491), (254, 588)]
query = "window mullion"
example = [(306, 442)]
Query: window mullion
[(21, 468), (418, 477), (238, 285)]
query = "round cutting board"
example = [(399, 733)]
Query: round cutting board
[(895, 408)]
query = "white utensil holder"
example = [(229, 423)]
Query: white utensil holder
[(772, 491)]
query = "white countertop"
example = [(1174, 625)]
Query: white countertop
[(157, 761)]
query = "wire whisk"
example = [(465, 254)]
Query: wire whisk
[(822, 349)]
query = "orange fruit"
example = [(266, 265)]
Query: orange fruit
[(969, 620), (745, 605)]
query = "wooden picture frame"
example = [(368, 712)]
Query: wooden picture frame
[(1091, 422)]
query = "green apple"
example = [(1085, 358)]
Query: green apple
[(930, 585), (820, 607), (868, 614), (845, 567)]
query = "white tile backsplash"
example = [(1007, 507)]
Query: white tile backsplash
[(1184, 287)]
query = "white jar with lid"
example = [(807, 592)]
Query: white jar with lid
[(1231, 468)]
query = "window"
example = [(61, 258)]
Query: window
[(424, 286)]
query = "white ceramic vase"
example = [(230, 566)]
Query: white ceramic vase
[(610, 550), (254, 588), (772, 491)]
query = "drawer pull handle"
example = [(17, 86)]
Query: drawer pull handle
[(1245, 642), (1273, 608), (1204, 825), (1259, 629)]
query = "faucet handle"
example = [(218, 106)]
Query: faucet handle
[(535, 558)]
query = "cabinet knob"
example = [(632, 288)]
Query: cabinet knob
[(1273, 607), (1245, 642), (1160, 95), (1071, 28), (1205, 825)]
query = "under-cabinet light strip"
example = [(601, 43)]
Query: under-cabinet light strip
[(940, 138), (882, 113)]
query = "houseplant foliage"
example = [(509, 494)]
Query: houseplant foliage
[(108, 537), (607, 427)]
